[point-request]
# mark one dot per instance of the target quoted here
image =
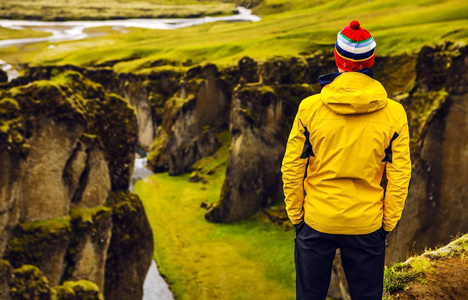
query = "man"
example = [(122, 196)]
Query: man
[(340, 144)]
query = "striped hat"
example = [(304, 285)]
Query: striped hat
[(355, 48)]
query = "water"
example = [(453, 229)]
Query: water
[(139, 170), (154, 288), (9, 69), (74, 30)]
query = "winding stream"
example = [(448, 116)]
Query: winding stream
[(154, 288), (74, 30)]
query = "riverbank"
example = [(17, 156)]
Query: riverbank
[(76, 30), (290, 29), (61, 10)]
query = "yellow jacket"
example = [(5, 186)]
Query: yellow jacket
[(346, 137)]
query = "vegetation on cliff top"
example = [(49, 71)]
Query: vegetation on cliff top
[(7, 33), (287, 28), (111, 9), (416, 277)]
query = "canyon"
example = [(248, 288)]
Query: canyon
[(69, 134)]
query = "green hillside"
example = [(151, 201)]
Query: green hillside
[(287, 28), (60, 10)]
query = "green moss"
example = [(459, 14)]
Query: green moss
[(211, 165), (81, 289), (42, 236), (458, 246), (264, 89), (399, 276), (87, 215), (157, 147), (29, 282), (11, 127), (419, 107), (178, 102), (123, 202)]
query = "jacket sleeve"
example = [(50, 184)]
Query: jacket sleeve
[(293, 170), (398, 176)]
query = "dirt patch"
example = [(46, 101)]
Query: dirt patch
[(448, 280)]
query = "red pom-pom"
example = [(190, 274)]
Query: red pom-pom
[(354, 25)]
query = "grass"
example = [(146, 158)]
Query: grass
[(307, 27), (110, 9), (202, 260), (399, 276), (7, 33)]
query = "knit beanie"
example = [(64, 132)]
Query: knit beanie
[(355, 48)]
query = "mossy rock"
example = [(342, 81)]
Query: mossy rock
[(130, 249), (45, 237), (29, 284), (108, 116), (6, 277), (75, 100), (87, 223), (419, 270), (77, 290)]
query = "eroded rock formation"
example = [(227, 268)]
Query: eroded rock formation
[(192, 118), (437, 203), (256, 102), (66, 149)]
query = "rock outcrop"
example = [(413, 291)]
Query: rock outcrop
[(192, 118), (66, 148), (438, 274), (437, 203), (257, 102)]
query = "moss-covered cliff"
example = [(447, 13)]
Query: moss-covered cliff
[(256, 102), (66, 148)]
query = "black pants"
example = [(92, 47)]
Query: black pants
[(363, 258)]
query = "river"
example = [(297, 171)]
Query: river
[(154, 288), (75, 30)]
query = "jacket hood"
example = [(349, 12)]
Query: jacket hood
[(354, 93)]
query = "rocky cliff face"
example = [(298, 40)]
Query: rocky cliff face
[(192, 118), (437, 203), (257, 102), (66, 148)]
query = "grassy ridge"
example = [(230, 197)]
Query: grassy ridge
[(110, 9), (7, 33), (397, 26), (202, 260)]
